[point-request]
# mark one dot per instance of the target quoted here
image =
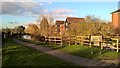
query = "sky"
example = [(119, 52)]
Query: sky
[(23, 13)]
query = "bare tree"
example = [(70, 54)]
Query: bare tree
[(46, 24), (92, 18), (31, 29)]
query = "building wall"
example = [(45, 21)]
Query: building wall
[(115, 21), (58, 28), (118, 19), (62, 29), (26, 37)]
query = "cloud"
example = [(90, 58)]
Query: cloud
[(62, 0), (41, 4), (63, 16), (20, 8), (49, 2), (17, 0), (62, 13), (33, 9), (58, 13)]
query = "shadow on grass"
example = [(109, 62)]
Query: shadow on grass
[(58, 47), (83, 51), (18, 55), (41, 43)]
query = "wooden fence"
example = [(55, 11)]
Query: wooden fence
[(54, 40), (112, 43), (108, 43)]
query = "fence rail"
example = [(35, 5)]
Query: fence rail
[(109, 43)]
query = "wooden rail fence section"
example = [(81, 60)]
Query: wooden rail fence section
[(55, 40), (112, 43)]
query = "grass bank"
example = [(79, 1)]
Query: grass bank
[(82, 51), (19, 55)]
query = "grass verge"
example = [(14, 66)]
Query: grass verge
[(19, 55), (82, 51)]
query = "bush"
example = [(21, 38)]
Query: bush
[(38, 37)]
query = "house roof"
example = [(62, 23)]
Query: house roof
[(74, 19), (58, 22), (116, 11)]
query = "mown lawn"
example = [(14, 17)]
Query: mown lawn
[(82, 51), (19, 55), (52, 46)]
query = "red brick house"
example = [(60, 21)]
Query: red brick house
[(62, 26), (73, 20), (53, 29), (57, 24), (62, 29), (116, 18)]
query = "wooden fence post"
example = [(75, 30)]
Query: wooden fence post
[(69, 39), (75, 40), (55, 40), (49, 39), (90, 43), (45, 38), (101, 44), (117, 45), (82, 40), (61, 41)]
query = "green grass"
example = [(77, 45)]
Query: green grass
[(52, 46), (19, 55), (82, 51)]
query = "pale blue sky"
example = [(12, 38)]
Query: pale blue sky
[(24, 14)]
